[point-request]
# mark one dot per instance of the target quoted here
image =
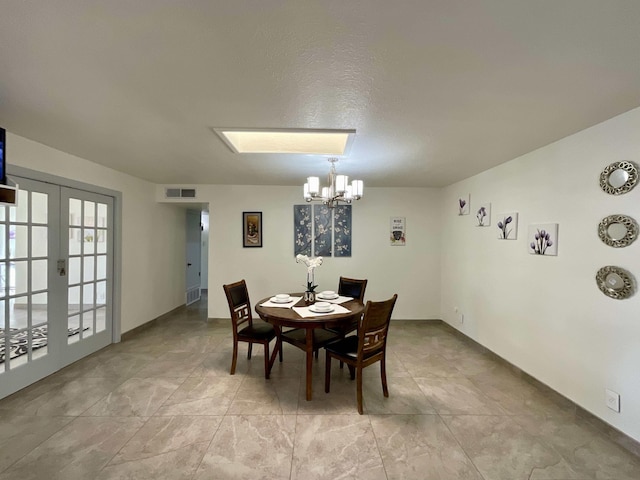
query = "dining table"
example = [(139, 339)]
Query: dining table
[(282, 316)]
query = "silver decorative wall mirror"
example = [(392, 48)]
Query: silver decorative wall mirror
[(618, 230), (615, 282), (619, 177)]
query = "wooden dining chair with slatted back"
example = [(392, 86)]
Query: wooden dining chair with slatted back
[(366, 348), (245, 329)]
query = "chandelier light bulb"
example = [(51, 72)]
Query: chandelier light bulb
[(314, 185), (341, 184)]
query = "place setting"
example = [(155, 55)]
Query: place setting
[(320, 308), (329, 296), (281, 300)]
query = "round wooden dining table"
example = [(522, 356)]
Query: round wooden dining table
[(281, 317)]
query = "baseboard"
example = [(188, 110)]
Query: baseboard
[(618, 437), (141, 328)]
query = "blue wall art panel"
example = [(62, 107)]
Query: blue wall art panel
[(342, 231), (302, 230), (322, 231)]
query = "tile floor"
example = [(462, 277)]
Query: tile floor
[(162, 405)]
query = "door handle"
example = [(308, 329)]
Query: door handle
[(188, 264), (62, 268)]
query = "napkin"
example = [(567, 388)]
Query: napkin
[(290, 304), (339, 299), (304, 312)]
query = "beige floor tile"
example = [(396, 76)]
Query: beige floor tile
[(78, 451), (250, 447), (502, 450), (420, 447), (21, 434), (139, 397), (202, 396), (405, 397), (336, 446), (457, 396)]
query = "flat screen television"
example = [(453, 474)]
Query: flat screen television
[(8, 193), (3, 156)]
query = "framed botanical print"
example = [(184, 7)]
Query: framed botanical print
[(251, 229)]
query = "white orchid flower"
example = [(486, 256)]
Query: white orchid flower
[(310, 262)]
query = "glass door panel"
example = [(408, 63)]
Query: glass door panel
[(88, 243), (28, 249)]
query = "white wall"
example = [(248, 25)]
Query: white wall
[(546, 315), (412, 271), (153, 246)]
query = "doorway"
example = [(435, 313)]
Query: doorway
[(56, 280)]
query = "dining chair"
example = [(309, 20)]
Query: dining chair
[(244, 328), (350, 287), (366, 348)]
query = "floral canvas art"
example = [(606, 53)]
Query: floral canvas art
[(507, 226), (483, 215), (464, 204), (302, 230), (543, 239), (322, 231), (342, 231)]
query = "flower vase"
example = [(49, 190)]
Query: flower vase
[(309, 298)]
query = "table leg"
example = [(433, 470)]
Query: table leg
[(309, 350), (276, 349)]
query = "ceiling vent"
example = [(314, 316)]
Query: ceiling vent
[(180, 193)]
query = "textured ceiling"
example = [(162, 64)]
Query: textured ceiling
[(436, 90)]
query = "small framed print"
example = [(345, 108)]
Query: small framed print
[(251, 229), (398, 231)]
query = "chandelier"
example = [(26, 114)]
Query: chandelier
[(338, 190)]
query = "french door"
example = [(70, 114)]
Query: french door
[(56, 270)]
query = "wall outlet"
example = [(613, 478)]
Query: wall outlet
[(459, 315), (613, 400)]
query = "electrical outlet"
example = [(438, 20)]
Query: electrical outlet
[(613, 400)]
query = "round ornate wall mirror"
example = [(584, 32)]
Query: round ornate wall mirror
[(615, 282), (618, 230), (619, 177)]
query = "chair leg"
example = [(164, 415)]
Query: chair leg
[(317, 353), (383, 375), (249, 353), (327, 374), (234, 358), (359, 389), (352, 371), (341, 364), (279, 347), (266, 360)]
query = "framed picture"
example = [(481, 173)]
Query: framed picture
[(483, 215), (543, 239), (398, 231), (464, 204), (508, 226), (251, 229)]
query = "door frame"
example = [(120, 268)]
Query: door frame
[(14, 170)]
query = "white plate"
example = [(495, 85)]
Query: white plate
[(315, 310), (328, 298), (275, 300)]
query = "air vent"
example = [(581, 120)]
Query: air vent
[(180, 193)]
